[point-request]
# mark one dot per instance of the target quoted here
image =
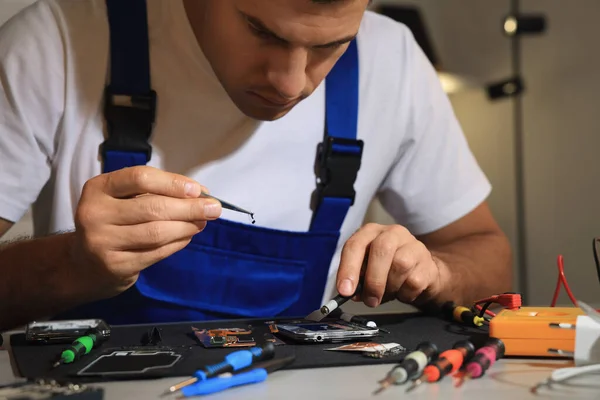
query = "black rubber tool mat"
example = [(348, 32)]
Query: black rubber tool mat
[(35, 361)]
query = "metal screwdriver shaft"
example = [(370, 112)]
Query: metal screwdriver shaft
[(411, 367)]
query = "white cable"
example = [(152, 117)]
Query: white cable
[(564, 374)]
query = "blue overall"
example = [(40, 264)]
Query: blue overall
[(229, 270)]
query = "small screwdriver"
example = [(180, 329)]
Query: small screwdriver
[(461, 314), (484, 358), (233, 362), (340, 300), (448, 363), (411, 367), (78, 348)]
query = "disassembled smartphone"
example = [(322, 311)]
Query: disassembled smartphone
[(225, 337), (50, 390), (325, 332), (64, 331)]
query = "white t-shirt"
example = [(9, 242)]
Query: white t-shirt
[(53, 68)]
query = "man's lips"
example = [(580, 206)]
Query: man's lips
[(278, 103)]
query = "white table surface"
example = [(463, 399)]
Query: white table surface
[(508, 379)]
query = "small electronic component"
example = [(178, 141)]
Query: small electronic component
[(326, 332), (65, 331), (270, 336), (225, 337), (50, 390)]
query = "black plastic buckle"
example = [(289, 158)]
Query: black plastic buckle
[(130, 121), (337, 170)]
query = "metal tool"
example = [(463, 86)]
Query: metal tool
[(235, 361), (411, 367), (253, 374), (230, 206), (80, 347), (446, 364), (484, 359), (333, 304)]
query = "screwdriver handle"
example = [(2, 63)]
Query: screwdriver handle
[(237, 360), (449, 361), (78, 348), (485, 358), (218, 384)]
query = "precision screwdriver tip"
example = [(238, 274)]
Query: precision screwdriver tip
[(413, 386), (384, 385)]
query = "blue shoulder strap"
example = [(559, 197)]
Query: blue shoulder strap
[(130, 110), (339, 156), (129, 101)]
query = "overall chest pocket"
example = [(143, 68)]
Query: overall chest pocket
[(225, 281)]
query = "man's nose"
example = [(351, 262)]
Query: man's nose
[(287, 72)]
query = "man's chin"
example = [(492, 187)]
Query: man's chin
[(262, 113)]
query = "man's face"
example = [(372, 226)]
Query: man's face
[(271, 54)]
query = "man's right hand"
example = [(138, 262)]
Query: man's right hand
[(132, 218)]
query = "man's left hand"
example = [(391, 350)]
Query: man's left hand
[(393, 263)]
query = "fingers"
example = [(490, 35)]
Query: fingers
[(397, 265), (129, 262), (149, 208), (133, 181), (412, 272), (154, 235), (352, 257), (381, 257)]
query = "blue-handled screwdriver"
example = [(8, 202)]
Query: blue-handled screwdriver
[(253, 374), (233, 362)]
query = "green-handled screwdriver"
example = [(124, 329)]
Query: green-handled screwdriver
[(78, 348)]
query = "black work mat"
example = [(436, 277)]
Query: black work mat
[(35, 361)]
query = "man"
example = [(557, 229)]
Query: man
[(242, 88)]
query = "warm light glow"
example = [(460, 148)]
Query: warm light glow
[(510, 25), (454, 83)]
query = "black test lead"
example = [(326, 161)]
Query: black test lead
[(230, 206), (411, 367)]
